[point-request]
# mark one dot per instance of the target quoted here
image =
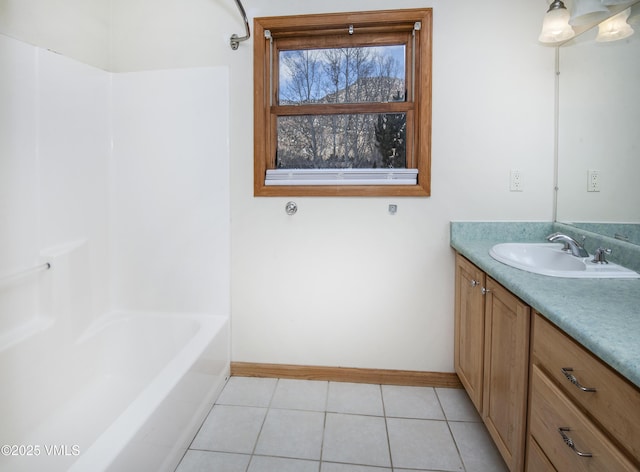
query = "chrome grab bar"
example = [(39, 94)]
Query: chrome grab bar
[(23, 273), (235, 39)]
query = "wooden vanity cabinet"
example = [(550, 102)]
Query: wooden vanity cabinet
[(582, 415), (536, 459), (506, 365), (492, 357), (558, 397), (469, 328)]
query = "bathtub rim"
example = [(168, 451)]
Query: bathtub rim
[(106, 448)]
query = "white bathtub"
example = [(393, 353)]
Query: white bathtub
[(128, 394)]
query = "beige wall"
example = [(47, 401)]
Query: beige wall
[(343, 282)]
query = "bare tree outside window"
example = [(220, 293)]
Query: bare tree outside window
[(349, 75)]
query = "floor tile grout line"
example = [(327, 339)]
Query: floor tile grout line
[(189, 447), (324, 429), (369, 466), (270, 406), (324, 425), (386, 426), (264, 420), (453, 438)]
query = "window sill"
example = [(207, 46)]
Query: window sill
[(350, 177), (261, 190)]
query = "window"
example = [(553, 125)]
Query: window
[(342, 104)]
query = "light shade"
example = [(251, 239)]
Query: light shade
[(634, 16), (615, 28), (588, 12), (555, 26)]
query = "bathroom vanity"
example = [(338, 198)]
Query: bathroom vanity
[(552, 364), (491, 356)]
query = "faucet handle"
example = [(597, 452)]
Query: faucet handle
[(599, 256)]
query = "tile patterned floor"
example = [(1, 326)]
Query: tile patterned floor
[(281, 425)]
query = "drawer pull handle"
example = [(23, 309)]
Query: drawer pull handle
[(569, 442), (485, 290), (571, 378), (474, 283)]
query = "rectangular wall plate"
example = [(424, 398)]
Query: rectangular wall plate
[(593, 180), (515, 181)]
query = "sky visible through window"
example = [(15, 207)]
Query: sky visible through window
[(317, 75)]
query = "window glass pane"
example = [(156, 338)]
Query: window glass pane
[(342, 75), (366, 141)]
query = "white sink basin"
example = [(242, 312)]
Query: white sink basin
[(550, 259)]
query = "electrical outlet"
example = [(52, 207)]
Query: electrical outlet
[(593, 180), (515, 181)]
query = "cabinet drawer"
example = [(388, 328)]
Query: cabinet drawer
[(615, 404), (551, 411), (536, 460)]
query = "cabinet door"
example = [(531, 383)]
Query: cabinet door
[(506, 372), (469, 328)]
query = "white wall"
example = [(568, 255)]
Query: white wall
[(79, 29), (160, 34), (342, 282)]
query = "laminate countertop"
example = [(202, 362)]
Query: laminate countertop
[(601, 314)]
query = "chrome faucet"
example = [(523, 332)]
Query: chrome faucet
[(570, 244), (599, 256)]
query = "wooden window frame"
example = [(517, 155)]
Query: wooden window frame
[(368, 27)]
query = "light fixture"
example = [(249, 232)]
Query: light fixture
[(615, 28), (555, 27), (588, 12), (634, 16)]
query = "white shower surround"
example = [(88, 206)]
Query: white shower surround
[(121, 182)]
